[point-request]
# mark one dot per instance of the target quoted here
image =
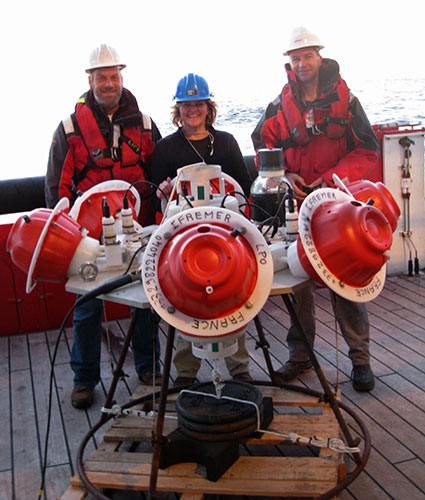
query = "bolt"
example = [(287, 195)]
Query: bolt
[(167, 236), (171, 309), (209, 290), (249, 304)]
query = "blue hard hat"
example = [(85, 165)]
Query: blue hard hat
[(192, 88)]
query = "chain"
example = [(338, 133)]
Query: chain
[(211, 138)]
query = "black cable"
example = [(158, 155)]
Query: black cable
[(106, 287), (149, 183), (130, 264), (264, 222), (109, 286), (231, 193), (259, 207), (282, 203), (275, 217), (186, 199), (49, 410)]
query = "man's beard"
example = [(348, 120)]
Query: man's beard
[(107, 104)]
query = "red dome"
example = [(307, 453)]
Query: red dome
[(205, 272), (365, 190), (60, 242), (351, 239)]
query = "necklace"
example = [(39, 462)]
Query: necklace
[(210, 146)]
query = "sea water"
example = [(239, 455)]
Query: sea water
[(385, 101)]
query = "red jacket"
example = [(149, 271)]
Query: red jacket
[(331, 135), (88, 148)]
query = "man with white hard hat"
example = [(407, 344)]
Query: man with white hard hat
[(107, 137), (105, 77), (322, 129)]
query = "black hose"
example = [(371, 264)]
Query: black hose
[(108, 286)]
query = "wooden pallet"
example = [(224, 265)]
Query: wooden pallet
[(112, 466)]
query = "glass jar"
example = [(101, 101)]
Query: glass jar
[(269, 187)]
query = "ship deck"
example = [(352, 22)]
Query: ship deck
[(394, 411)]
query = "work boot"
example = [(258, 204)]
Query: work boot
[(362, 377), (180, 381), (82, 397), (147, 378), (291, 369), (243, 377)]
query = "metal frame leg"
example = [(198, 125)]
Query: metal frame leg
[(330, 396), (158, 438), (118, 370), (264, 345)]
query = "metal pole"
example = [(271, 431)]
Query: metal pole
[(158, 436), (264, 346), (120, 364)]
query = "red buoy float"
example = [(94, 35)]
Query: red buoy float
[(206, 272)]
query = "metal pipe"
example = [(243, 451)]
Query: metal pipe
[(264, 345), (120, 363), (158, 435)]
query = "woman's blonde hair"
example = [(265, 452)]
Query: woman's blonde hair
[(209, 121)]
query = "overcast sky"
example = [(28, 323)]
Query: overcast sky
[(236, 45)]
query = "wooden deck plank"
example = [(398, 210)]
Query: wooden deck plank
[(366, 489), (385, 334), (277, 476), (55, 479), (410, 392), (192, 496), (399, 302), (390, 352), (393, 411), (136, 429), (41, 373), (6, 485), (74, 424), (391, 481), (74, 493), (387, 429), (5, 429), (26, 451), (248, 469), (414, 470), (398, 330), (323, 346)]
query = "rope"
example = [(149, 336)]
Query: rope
[(170, 199), (117, 411), (334, 444)]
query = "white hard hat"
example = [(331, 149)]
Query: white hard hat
[(301, 38), (104, 56)]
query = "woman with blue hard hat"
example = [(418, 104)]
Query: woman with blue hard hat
[(192, 88), (196, 140)]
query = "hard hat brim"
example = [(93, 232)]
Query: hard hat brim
[(97, 66), (318, 47), (192, 98)]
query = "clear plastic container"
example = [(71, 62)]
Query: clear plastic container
[(270, 186)]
